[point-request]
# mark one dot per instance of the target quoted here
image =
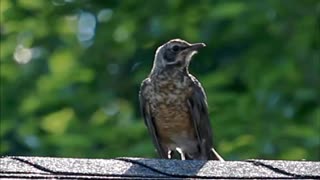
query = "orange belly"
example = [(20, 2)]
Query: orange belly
[(173, 121)]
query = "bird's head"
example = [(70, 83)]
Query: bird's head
[(175, 53)]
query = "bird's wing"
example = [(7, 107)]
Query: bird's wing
[(197, 103), (149, 120)]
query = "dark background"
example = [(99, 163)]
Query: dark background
[(71, 71)]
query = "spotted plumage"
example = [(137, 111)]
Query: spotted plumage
[(174, 105)]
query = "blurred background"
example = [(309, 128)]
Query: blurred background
[(71, 71)]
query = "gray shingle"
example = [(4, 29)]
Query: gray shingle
[(71, 168)]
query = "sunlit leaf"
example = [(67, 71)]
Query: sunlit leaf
[(57, 122), (62, 63)]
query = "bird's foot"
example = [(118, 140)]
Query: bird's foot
[(182, 157)]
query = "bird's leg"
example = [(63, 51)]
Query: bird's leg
[(217, 156), (182, 157), (169, 154)]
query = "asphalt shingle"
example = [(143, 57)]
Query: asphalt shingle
[(139, 168)]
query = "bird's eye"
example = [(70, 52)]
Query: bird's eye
[(175, 48)]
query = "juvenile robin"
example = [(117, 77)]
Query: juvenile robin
[(174, 105)]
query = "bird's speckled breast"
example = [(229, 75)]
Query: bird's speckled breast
[(170, 108)]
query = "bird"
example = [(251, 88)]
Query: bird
[(174, 105)]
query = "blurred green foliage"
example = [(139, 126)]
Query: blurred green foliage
[(71, 71)]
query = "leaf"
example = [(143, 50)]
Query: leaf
[(57, 122)]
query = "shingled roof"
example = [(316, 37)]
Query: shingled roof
[(141, 168)]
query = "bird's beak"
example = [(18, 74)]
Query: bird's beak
[(196, 46)]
